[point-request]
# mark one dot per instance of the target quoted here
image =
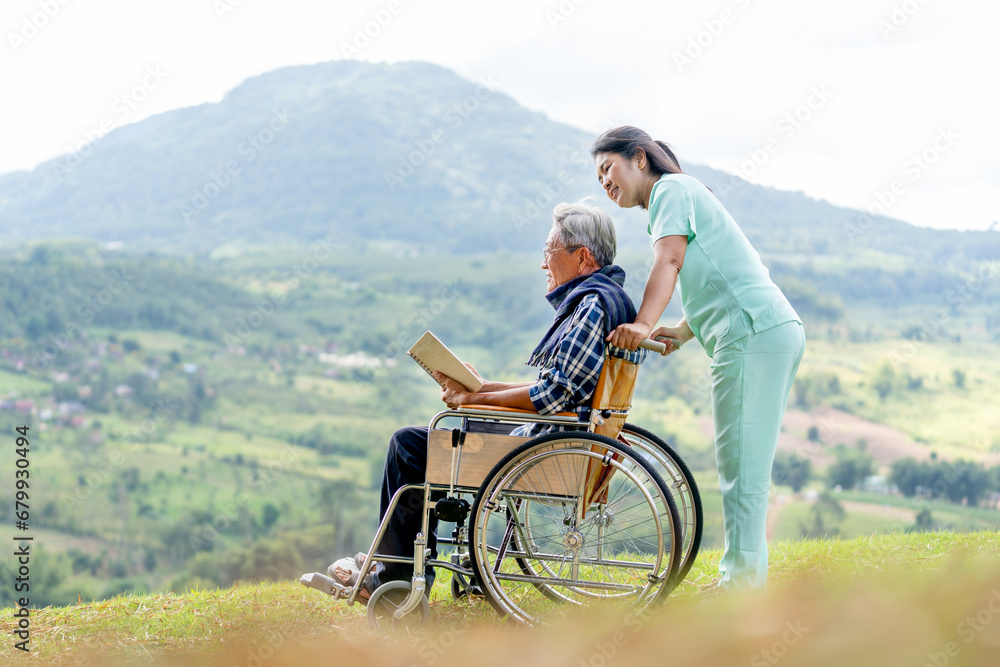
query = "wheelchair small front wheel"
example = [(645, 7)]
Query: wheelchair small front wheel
[(388, 598), (461, 585)]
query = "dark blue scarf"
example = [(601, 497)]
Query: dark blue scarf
[(607, 283)]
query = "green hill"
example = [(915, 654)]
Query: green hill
[(876, 600), (407, 152)]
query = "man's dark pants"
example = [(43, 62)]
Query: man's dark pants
[(405, 463)]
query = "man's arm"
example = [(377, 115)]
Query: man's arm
[(455, 394), (491, 385), (570, 377)]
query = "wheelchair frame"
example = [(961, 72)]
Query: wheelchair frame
[(392, 602)]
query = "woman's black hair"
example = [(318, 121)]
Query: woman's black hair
[(626, 139)]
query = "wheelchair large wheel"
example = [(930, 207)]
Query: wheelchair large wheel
[(680, 481), (539, 538)]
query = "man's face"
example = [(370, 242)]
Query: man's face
[(561, 263)]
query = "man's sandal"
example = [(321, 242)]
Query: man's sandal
[(343, 577), (346, 571), (351, 564)]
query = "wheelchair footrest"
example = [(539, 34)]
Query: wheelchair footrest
[(323, 583)]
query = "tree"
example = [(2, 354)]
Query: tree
[(884, 380), (923, 522), (792, 470), (269, 514), (959, 376), (850, 469), (966, 480), (824, 515), (262, 560), (908, 475), (336, 497)]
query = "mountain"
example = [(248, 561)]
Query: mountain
[(408, 152)]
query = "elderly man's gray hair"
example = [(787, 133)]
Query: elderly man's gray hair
[(582, 224)]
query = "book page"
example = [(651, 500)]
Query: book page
[(433, 355)]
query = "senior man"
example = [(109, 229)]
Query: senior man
[(586, 290)]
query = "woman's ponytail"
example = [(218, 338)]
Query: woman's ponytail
[(670, 154), (625, 140)]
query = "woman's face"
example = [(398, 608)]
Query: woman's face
[(621, 178)]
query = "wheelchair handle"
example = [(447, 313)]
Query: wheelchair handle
[(657, 346)]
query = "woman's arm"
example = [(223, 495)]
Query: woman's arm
[(668, 258)]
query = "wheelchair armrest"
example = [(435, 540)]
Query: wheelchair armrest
[(497, 408)]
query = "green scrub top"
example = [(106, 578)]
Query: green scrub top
[(726, 291)]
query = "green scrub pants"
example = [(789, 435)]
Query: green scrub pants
[(751, 380)]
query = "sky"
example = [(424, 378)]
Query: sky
[(888, 106)]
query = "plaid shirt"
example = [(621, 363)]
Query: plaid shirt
[(568, 384)]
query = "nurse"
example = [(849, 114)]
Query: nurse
[(734, 310)]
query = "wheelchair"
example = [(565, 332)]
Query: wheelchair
[(597, 513)]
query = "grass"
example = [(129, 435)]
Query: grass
[(868, 512), (883, 599)]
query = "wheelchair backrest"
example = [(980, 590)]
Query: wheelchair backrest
[(613, 397)]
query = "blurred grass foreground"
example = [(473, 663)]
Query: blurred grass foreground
[(892, 599)]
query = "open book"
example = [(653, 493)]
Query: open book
[(433, 355)]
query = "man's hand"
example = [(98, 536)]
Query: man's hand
[(628, 336), (474, 372), (452, 393)]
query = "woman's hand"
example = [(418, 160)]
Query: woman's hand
[(673, 337), (453, 393), (628, 336)]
